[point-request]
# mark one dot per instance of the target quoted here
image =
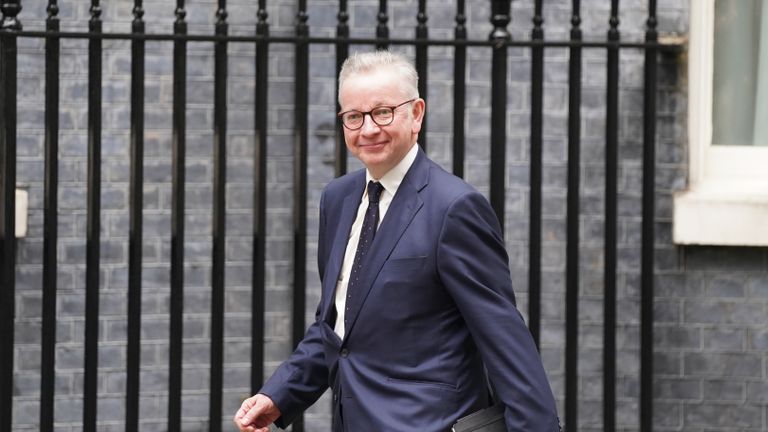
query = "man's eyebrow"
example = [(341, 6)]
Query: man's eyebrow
[(372, 105)]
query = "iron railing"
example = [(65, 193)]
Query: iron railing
[(499, 42)]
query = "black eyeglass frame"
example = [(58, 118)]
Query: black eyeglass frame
[(370, 114)]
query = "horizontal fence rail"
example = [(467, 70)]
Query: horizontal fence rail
[(498, 44), (312, 40)]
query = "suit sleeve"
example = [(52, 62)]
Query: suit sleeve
[(303, 378), (300, 380), (473, 265)]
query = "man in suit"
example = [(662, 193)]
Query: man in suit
[(415, 299)]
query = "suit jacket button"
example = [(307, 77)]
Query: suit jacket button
[(344, 352)]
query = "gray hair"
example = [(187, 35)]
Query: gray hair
[(359, 63)]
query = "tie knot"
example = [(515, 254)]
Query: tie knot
[(374, 192)]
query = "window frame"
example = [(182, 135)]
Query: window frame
[(726, 202)]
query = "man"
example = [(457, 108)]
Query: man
[(407, 319)]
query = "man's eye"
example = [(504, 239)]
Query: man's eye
[(381, 112), (354, 116)]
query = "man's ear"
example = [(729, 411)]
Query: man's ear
[(418, 110)]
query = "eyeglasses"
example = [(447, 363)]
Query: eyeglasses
[(381, 115)]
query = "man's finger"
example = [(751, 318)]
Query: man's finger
[(251, 415)]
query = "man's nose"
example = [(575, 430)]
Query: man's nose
[(369, 126)]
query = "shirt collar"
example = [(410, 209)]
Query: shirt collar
[(392, 179)]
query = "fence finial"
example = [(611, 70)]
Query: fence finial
[(613, 32), (95, 11), (576, 16), (651, 22), (221, 15), (138, 12), (461, 20), (500, 18), (538, 21), (262, 14), (10, 10), (52, 9), (382, 31)]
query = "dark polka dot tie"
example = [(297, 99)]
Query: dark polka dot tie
[(370, 221)]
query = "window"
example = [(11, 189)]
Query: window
[(740, 73), (727, 199)]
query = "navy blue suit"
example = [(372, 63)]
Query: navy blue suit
[(436, 303)]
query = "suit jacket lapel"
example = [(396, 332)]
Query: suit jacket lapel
[(403, 208), (346, 219)]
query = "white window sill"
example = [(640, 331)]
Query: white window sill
[(731, 213)]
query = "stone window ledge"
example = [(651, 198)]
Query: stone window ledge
[(723, 213)]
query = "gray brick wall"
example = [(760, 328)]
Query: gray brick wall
[(711, 334)]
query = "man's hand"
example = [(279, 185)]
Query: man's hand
[(256, 414)]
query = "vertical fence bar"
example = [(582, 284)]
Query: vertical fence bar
[(459, 89), (219, 217), (8, 52), (50, 222), (178, 176), (133, 352), (611, 180), (500, 18), (649, 196), (300, 140), (572, 227), (422, 34), (342, 52), (534, 225), (260, 203), (93, 248), (382, 31)]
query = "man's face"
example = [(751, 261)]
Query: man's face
[(380, 148)]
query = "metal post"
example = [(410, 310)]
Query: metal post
[(8, 25), (93, 247), (133, 351), (50, 223), (648, 232), (572, 230), (611, 180), (300, 142), (219, 218), (459, 89), (177, 221), (500, 18), (342, 52), (534, 225), (422, 33), (260, 204)]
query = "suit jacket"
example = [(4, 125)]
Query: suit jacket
[(436, 303)]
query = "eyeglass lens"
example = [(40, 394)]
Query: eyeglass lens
[(382, 116)]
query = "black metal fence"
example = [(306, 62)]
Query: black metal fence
[(499, 42)]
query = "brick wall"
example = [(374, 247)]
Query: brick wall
[(711, 303)]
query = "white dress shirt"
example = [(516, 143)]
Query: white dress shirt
[(391, 182)]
